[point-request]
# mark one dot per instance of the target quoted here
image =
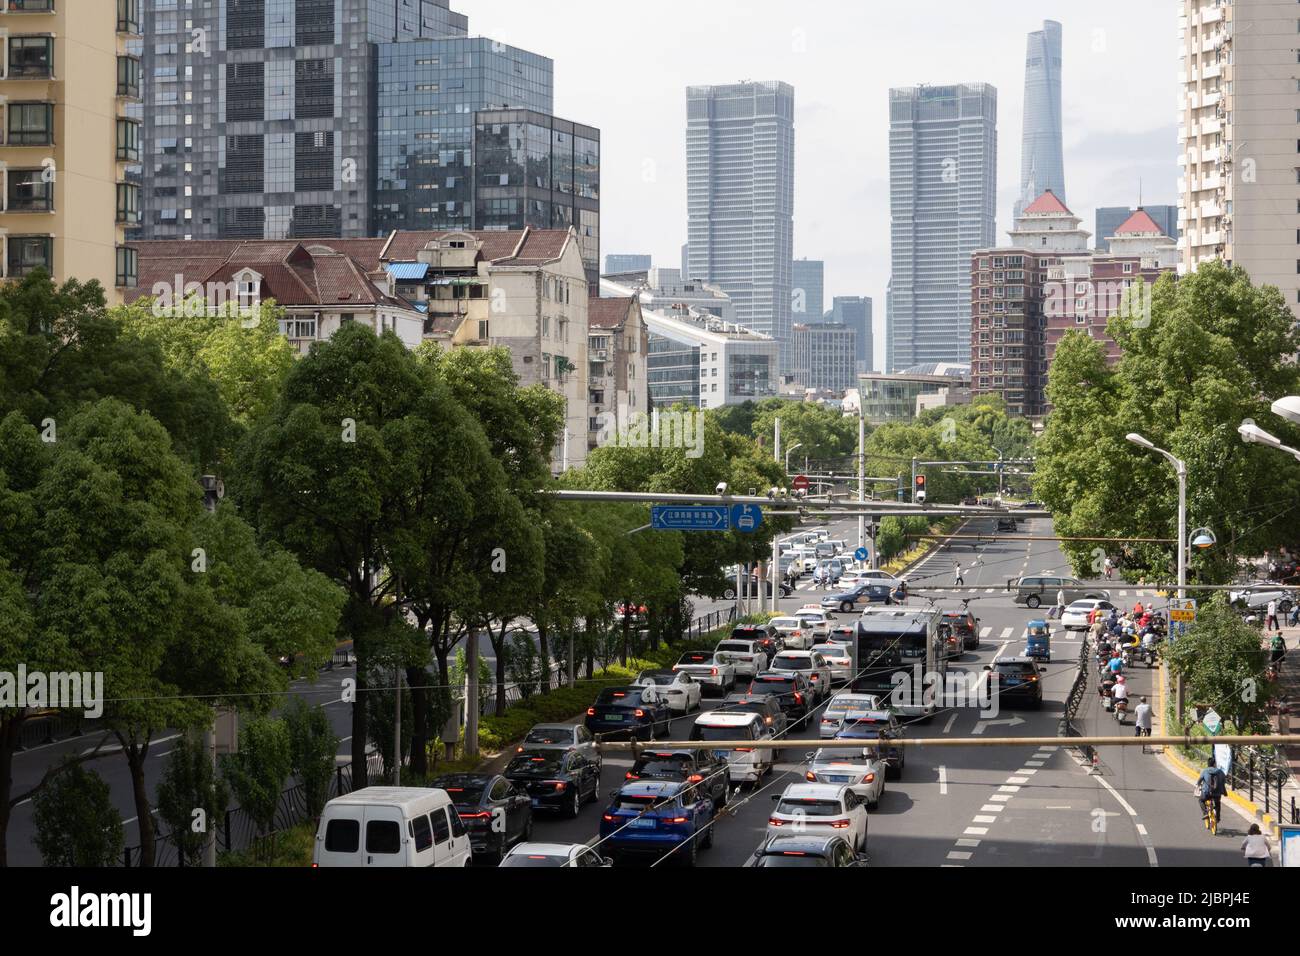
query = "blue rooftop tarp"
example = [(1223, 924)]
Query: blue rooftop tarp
[(407, 271)]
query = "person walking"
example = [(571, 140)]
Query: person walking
[(1059, 608), (1270, 619), (958, 580), (1255, 847), (1278, 648), (1142, 718), (1110, 568)]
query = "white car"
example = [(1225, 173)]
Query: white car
[(816, 619), (553, 854), (1075, 616), (838, 657), (807, 560), (746, 764), (862, 770), (821, 808), (707, 671), (679, 690), (747, 657), (794, 633), (1256, 597), (841, 705), (562, 737), (808, 663)]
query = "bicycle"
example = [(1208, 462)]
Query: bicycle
[(1211, 817)]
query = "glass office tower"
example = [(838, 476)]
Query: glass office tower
[(1042, 155)]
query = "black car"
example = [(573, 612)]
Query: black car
[(1007, 524), (966, 625), (768, 637), (623, 710), (1016, 680), (496, 813), (704, 768), (555, 779), (795, 851), (765, 705), (792, 692)]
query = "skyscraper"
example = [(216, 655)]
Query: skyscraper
[(855, 312), (740, 199), (1110, 218), (616, 263), (1042, 163), (809, 277), (943, 192)]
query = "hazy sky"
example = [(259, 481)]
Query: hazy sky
[(624, 67)]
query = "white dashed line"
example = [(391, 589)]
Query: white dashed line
[(1034, 763), (975, 831), (1008, 790), (984, 819), (943, 779), (958, 855), (985, 632), (1003, 797), (968, 843), (993, 808)]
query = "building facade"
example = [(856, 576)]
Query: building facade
[(943, 191), (616, 263), (740, 198), (1110, 218), (824, 356), (855, 312), (617, 352), (898, 397), (807, 302), (1042, 151), (70, 70), (1240, 185)]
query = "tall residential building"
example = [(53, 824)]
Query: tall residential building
[(686, 260), (855, 312), (1238, 196), (807, 301), (943, 194), (1110, 218), (616, 264), (69, 74), (260, 117), (533, 169), (740, 199), (1042, 153), (823, 356)]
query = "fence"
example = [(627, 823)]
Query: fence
[(58, 725)]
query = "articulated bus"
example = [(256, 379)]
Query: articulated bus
[(900, 657)]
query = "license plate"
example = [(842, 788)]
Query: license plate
[(837, 779), (614, 718), (642, 823), (536, 802)]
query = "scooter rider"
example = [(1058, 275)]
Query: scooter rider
[(1149, 646), (1120, 695)]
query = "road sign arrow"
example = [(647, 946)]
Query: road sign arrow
[(1010, 722)]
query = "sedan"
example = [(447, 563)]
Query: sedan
[(808, 809), (656, 818), (702, 767), (840, 659), (864, 593), (680, 691), (879, 727), (863, 770), (1075, 617), (625, 710), (841, 706), (1257, 596), (495, 812), (562, 737), (554, 854), (555, 780), (712, 674), (816, 620), (808, 663), (794, 634), (791, 692), (804, 852)]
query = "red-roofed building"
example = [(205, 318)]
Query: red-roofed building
[(618, 347)]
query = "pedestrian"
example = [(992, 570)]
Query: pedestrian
[(1295, 615), (958, 580), (1278, 648), (1255, 847), (1142, 718), (1270, 619), (1059, 609), (1110, 568)]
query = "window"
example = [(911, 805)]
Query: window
[(128, 16), (343, 836), (31, 57), (128, 141), (546, 359), (28, 191), (422, 832), (28, 253), (31, 124), (247, 293), (383, 836), (128, 202), (128, 267), (128, 76), (31, 6), (440, 828), (484, 332)]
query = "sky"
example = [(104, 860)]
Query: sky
[(624, 66)]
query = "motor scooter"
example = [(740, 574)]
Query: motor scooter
[(1107, 701), (1121, 708)]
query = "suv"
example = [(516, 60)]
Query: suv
[(1018, 680), (966, 625), (747, 657), (765, 705), (792, 693), (702, 767), (767, 636), (1037, 590), (799, 851), (1007, 524)]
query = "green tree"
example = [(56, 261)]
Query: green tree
[(190, 783), (257, 773), (76, 822), (827, 435), (312, 749), (1223, 664)]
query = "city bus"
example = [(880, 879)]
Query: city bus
[(900, 657)]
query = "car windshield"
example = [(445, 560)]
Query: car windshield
[(656, 765), (658, 678), (808, 807), (748, 707), (1081, 606), (534, 859), (536, 763), (792, 860), (790, 622), (696, 658), (789, 663), (772, 685), (870, 726), (831, 650), (735, 646), (623, 696), (549, 735), (834, 758), (718, 733), (640, 802), (1016, 668)]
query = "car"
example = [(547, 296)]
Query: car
[(828, 572), (658, 817), (766, 706), (745, 764), (369, 828), (713, 675), (680, 691), (791, 691), (841, 705), (561, 737), (876, 576), (751, 588), (767, 635), (495, 812), (746, 657), (825, 549), (808, 663), (702, 767), (880, 727), (820, 809), (864, 770), (626, 710), (561, 780), (792, 851), (1007, 524), (794, 632), (952, 642), (966, 625), (1016, 680), (1256, 597), (1035, 590), (1075, 616), (816, 619), (1031, 504), (865, 593), (554, 854), (843, 634), (839, 658), (1038, 641)]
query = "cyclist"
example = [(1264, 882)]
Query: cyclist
[(1210, 787), (1110, 568), (1278, 646), (1142, 718)]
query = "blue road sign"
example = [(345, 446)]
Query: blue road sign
[(746, 518), (861, 554), (690, 518)]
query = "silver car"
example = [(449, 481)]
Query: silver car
[(562, 737), (839, 657), (840, 706), (863, 771)]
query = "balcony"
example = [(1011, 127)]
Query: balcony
[(128, 77), (128, 16), (30, 58), (30, 6), (29, 192)]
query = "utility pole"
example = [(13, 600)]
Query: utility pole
[(862, 474), (471, 693), (213, 490), (397, 727)]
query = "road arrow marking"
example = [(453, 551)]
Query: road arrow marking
[(1011, 722)]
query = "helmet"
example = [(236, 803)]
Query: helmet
[(1119, 679)]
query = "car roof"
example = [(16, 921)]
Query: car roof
[(868, 715), (813, 791), (794, 653), (850, 698), (1037, 622), (563, 728), (1013, 659), (724, 719), (546, 849), (652, 788), (795, 843)]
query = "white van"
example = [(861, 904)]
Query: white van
[(391, 826), (746, 766)]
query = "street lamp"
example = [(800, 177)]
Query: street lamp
[(787, 456), (1288, 408), (1180, 469), (1252, 434)]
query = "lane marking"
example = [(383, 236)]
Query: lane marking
[(1006, 634), (948, 726), (958, 855), (984, 819), (943, 781), (1027, 773), (970, 843), (1146, 840), (985, 632), (1002, 796), (1028, 763), (1008, 789), (976, 831), (993, 808)]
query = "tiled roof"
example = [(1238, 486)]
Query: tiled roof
[(1140, 223), (1047, 203), (608, 313)]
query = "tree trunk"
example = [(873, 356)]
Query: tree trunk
[(136, 755), (9, 729), (627, 623), (416, 678), (543, 651), (501, 670), (591, 651)]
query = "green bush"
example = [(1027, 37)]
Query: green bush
[(287, 848), (76, 822)]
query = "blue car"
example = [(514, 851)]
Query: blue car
[(651, 818), (1038, 640), (849, 600)]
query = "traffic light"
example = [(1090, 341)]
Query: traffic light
[(918, 493)]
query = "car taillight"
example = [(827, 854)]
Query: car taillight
[(810, 777), (640, 713), (841, 824), (744, 750), (694, 778), (679, 820), (475, 816), (798, 698), (591, 711), (869, 778), (607, 816), (520, 750), (630, 776), (559, 785), (775, 822), (714, 672)]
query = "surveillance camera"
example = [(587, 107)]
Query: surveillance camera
[(722, 487)]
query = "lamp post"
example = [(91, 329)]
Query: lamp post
[(1180, 468), (787, 456)]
